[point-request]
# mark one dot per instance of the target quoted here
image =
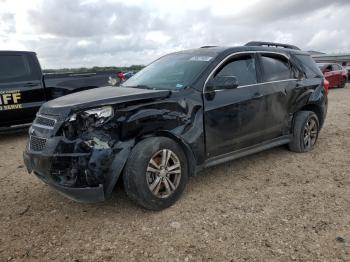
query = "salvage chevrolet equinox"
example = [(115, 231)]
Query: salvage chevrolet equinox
[(184, 112)]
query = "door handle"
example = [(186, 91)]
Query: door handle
[(283, 92), (257, 96), (30, 84)]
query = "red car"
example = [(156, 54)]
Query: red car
[(334, 73)]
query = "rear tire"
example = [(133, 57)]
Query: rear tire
[(305, 132), (156, 173)]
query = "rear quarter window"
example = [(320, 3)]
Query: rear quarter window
[(308, 64), (337, 67), (275, 68), (14, 68)]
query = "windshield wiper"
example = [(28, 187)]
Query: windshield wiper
[(137, 86), (141, 86)]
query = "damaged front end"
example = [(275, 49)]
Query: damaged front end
[(79, 143), (77, 154), (93, 141)]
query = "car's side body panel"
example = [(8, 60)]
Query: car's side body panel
[(58, 85), (233, 119)]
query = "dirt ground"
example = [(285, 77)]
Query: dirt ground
[(272, 206)]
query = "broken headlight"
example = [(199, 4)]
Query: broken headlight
[(95, 116)]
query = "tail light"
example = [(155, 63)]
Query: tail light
[(325, 86)]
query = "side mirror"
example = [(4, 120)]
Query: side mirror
[(223, 82)]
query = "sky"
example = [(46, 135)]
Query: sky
[(86, 33)]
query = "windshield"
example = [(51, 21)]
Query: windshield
[(175, 71)]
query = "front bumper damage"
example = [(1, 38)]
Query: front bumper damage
[(82, 157), (80, 171)]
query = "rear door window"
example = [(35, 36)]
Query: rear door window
[(243, 68), (14, 68), (309, 65), (275, 68)]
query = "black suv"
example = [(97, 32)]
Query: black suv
[(184, 112)]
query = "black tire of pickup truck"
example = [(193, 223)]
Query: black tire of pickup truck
[(135, 178), (301, 130)]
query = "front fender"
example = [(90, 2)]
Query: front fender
[(180, 118)]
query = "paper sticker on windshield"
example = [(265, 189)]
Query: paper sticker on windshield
[(201, 58)]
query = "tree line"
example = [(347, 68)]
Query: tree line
[(96, 69)]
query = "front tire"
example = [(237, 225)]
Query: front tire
[(156, 173), (305, 132)]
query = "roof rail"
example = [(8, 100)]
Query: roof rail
[(260, 43), (208, 46)]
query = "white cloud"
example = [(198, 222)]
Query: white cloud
[(157, 36), (73, 33), (84, 43)]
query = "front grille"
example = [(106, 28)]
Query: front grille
[(44, 122), (37, 144)]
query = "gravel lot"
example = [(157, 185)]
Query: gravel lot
[(274, 206)]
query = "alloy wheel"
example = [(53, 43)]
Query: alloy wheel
[(310, 133), (163, 173)]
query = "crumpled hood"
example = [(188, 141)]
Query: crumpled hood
[(108, 95)]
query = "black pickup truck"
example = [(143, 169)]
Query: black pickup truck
[(24, 88)]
